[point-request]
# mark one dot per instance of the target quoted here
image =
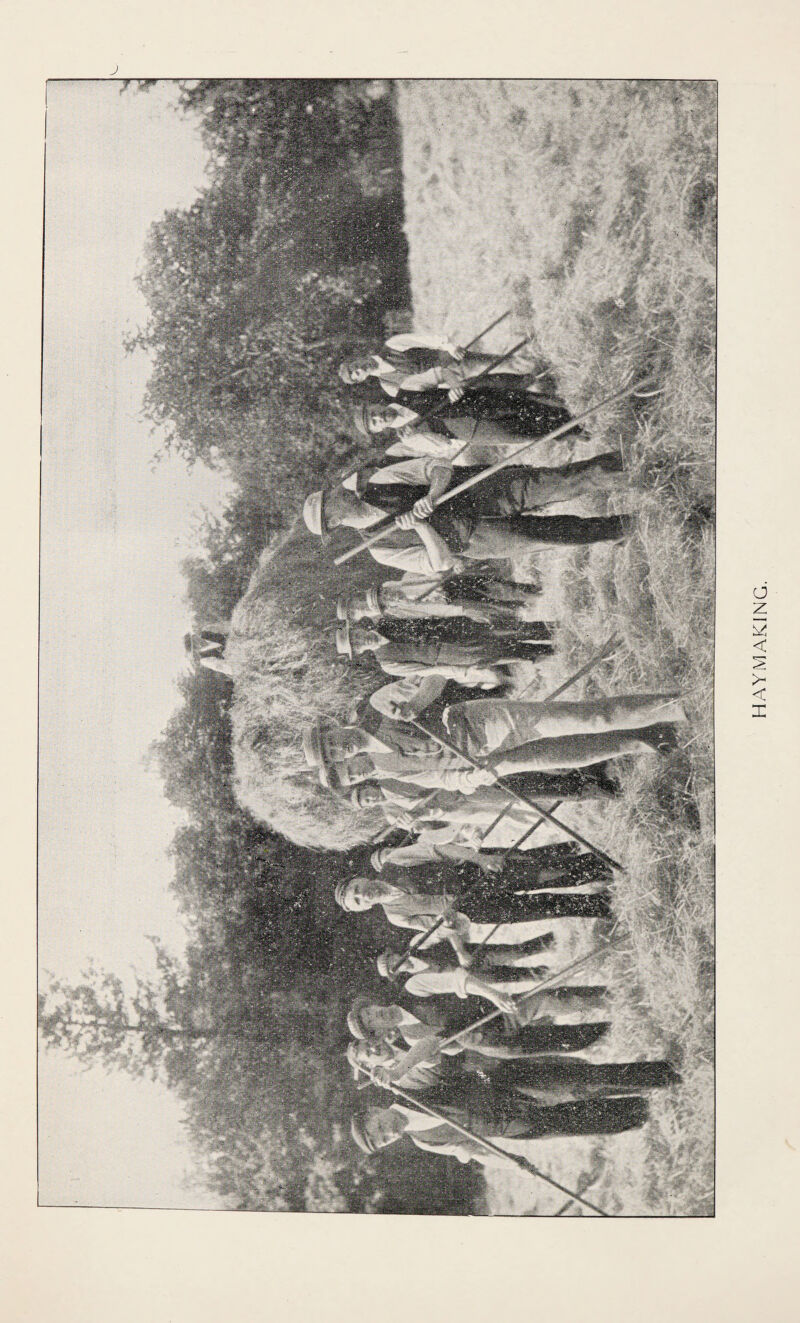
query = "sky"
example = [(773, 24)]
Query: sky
[(115, 527)]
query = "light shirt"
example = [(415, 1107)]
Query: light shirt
[(449, 1143), (418, 691), (436, 770), (412, 1030), (417, 595), (425, 982), (430, 847), (424, 444), (435, 1136), (414, 472), (393, 660), (421, 340), (417, 1121), (404, 551), (391, 378), (401, 550), (213, 662)]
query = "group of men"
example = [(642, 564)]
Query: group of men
[(450, 755)]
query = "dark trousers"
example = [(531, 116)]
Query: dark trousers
[(459, 629), (491, 1112), (522, 872), (565, 1079), (575, 783), (591, 1116), (517, 908), (549, 866), (497, 536), (536, 1039), (571, 530)]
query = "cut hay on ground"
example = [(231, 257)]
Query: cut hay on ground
[(589, 208)]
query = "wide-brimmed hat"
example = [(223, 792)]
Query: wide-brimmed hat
[(340, 893), (314, 513), (362, 414), (314, 751), (354, 1022), (344, 643), (350, 603), (360, 1135), (355, 360), (312, 743), (382, 964), (377, 860), (355, 795), (352, 1054)]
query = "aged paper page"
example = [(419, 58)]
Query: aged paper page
[(92, 1264)]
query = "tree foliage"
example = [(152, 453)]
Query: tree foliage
[(286, 261)]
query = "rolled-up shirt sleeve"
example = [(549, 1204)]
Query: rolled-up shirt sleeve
[(463, 1150), (407, 555), (417, 691), (438, 982), (425, 445), (412, 472), (466, 779)]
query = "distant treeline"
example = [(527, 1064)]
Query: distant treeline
[(288, 260)]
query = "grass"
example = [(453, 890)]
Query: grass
[(589, 209)]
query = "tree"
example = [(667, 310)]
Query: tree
[(285, 261), (142, 1029)]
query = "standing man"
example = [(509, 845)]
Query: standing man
[(503, 916), (482, 662), (420, 361), (206, 648), (427, 976), (456, 427), (482, 599), (458, 866), (492, 520), (506, 736), (546, 1079), (500, 1039), (494, 1116), (521, 412)]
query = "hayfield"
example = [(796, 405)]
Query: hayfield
[(589, 209)]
